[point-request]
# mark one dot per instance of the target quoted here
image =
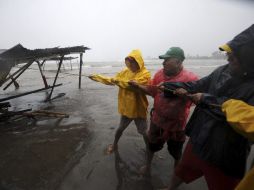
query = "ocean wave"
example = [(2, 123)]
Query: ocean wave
[(114, 66), (201, 66)]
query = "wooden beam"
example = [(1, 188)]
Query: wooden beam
[(16, 84), (42, 75), (58, 70), (12, 75), (26, 93), (22, 71)]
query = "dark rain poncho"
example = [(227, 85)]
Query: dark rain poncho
[(212, 138)]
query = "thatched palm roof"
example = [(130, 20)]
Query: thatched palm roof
[(19, 54)]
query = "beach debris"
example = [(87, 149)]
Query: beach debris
[(4, 105), (26, 93), (5, 114), (45, 113)]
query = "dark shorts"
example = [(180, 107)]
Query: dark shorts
[(191, 167), (156, 142)]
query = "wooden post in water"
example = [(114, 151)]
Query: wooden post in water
[(54, 83), (80, 70), (16, 72), (21, 71), (71, 64), (42, 75), (16, 84)]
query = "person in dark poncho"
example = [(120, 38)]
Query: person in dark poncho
[(215, 150)]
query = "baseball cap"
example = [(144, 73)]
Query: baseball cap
[(173, 52)]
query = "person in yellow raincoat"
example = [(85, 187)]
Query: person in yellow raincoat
[(241, 117), (132, 103)]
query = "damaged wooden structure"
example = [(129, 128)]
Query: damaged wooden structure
[(18, 54), (21, 55), (57, 59)]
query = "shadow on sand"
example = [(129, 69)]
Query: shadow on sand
[(129, 179)]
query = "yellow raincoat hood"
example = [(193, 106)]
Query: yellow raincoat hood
[(131, 102), (136, 54)]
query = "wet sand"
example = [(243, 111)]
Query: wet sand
[(69, 154), (36, 154), (97, 170)]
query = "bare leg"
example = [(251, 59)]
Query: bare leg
[(141, 125), (146, 169), (149, 160), (142, 129), (124, 122)]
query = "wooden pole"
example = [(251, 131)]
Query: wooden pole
[(51, 114), (43, 64), (80, 69), (16, 84), (42, 75), (26, 93), (59, 67), (12, 75), (14, 79)]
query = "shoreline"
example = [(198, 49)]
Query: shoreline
[(70, 153)]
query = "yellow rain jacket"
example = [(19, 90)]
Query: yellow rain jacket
[(241, 117), (132, 103)]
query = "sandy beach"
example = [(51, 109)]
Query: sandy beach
[(69, 153)]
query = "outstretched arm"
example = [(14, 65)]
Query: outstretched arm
[(102, 79), (141, 78), (141, 87)]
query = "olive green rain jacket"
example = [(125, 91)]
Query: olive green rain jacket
[(132, 103)]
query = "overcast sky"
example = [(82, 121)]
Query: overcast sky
[(112, 28)]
